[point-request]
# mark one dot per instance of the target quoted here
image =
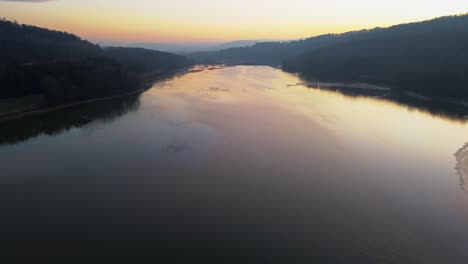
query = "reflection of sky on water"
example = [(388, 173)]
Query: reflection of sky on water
[(241, 148)]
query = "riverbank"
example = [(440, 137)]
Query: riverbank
[(386, 91), (44, 110), (12, 109), (337, 85), (342, 85), (22, 104)]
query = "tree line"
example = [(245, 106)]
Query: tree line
[(65, 68)]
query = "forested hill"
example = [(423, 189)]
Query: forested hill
[(30, 44), (275, 53), (140, 60), (430, 57), (266, 53), (65, 68)]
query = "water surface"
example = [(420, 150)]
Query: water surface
[(238, 162)]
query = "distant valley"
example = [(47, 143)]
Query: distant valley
[(186, 48)]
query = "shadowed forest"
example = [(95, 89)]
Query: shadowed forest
[(65, 68)]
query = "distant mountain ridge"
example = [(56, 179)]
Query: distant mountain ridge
[(185, 48), (266, 53)]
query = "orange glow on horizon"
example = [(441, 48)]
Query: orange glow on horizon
[(103, 28), (219, 21)]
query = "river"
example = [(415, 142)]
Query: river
[(238, 163)]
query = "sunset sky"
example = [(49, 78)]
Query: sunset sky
[(219, 20)]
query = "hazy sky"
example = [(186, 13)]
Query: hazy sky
[(220, 20)]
